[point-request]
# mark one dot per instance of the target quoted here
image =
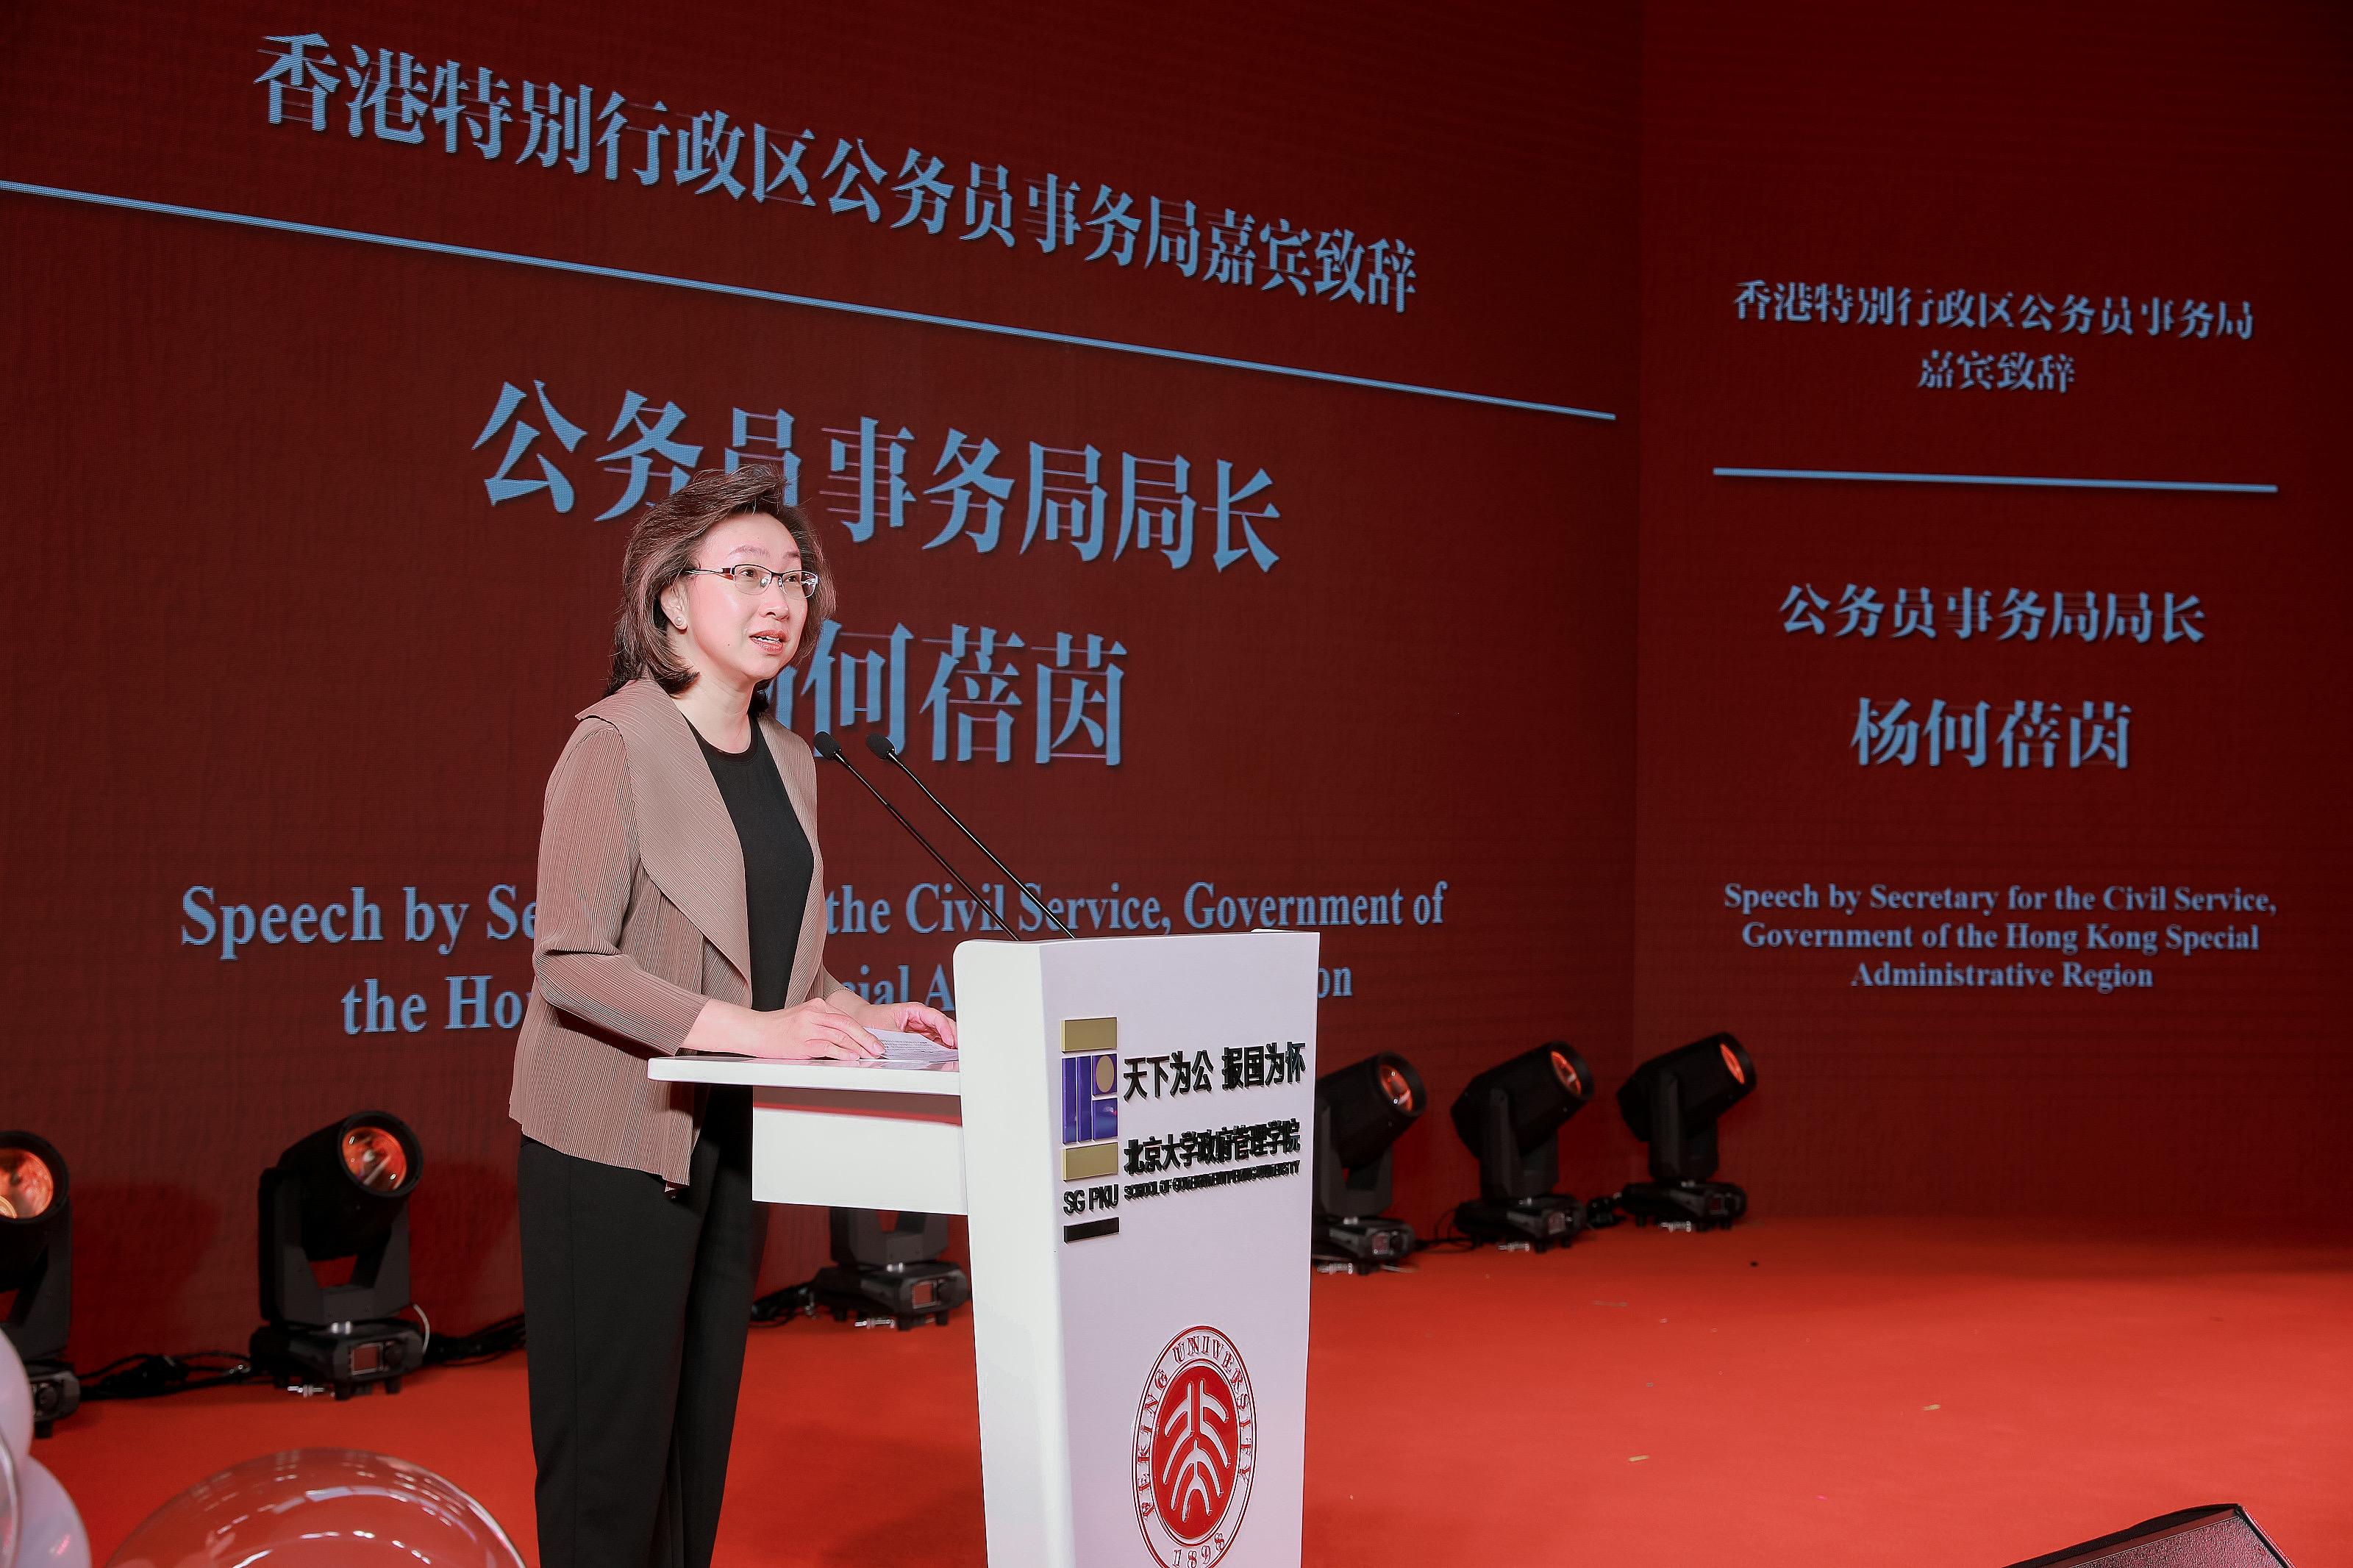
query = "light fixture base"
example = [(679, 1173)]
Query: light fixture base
[(906, 1293), (1364, 1245), (1693, 1205), (1542, 1223), (348, 1358), (57, 1394)]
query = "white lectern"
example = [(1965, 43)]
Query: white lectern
[(1129, 1132)]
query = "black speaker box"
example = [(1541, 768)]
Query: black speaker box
[(2220, 1535)]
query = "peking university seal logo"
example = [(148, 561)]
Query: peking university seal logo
[(1195, 1449)]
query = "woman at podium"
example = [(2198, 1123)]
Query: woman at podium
[(681, 907)]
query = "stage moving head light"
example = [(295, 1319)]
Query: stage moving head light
[(36, 1243), (1361, 1110), (892, 1273), (341, 1193), (36, 1263), (1510, 1117), (1672, 1103)]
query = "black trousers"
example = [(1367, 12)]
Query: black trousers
[(637, 1305)]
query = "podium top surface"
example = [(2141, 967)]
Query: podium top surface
[(870, 1076)]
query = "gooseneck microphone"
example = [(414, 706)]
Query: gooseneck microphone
[(880, 744), (826, 746)]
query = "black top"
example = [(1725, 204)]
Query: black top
[(777, 864)]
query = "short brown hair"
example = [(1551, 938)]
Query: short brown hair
[(662, 543)]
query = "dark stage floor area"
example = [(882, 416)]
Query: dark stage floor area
[(1812, 1391)]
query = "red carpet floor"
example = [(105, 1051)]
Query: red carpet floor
[(1798, 1392)]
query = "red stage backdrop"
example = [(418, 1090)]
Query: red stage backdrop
[(2004, 819), (345, 343), (1295, 466)]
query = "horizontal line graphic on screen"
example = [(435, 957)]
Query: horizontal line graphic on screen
[(2035, 481), (775, 297)]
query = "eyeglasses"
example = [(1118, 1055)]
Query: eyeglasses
[(753, 581)]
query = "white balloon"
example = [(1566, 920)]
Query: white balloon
[(15, 1401), (11, 1505), (51, 1535)]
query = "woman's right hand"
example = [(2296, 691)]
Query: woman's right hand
[(814, 1031)]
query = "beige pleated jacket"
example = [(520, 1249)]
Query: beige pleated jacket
[(641, 919)]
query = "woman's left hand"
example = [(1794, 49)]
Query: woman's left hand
[(906, 1017)]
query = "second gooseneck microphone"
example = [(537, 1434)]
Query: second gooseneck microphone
[(880, 744), (826, 746)]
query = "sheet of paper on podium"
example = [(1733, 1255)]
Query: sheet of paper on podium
[(905, 1048)]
